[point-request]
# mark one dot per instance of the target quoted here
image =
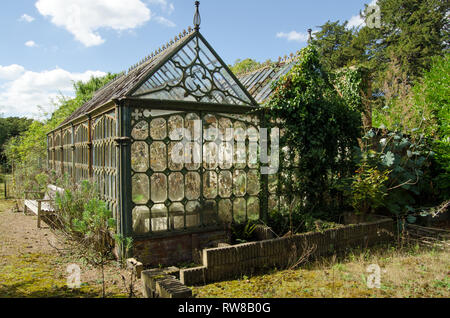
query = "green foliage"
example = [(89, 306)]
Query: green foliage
[(95, 225), (71, 204), (243, 233), (413, 31), (296, 221), (394, 173), (351, 83), (85, 221), (334, 43), (368, 189), (246, 65), (320, 127), (11, 127), (433, 95), (27, 152)]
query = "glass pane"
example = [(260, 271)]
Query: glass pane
[(176, 186), (226, 155), (193, 209), (140, 131), (253, 182), (225, 184), (159, 188), (176, 156), (176, 212), (158, 159), (239, 206), (225, 211), (176, 125), (210, 155), (140, 188), (159, 218), (210, 131), (226, 129), (210, 213), (139, 156), (193, 156), (193, 127), (253, 208), (141, 220), (210, 185), (158, 129), (192, 186), (240, 183)]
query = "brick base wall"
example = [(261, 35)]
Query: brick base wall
[(229, 262), (176, 249)]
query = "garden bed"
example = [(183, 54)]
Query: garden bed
[(228, 262)]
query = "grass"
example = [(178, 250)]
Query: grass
[(405, 273)]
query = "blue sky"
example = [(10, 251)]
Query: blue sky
[(47, 44)]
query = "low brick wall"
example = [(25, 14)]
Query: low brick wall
[(176, 249), (229, 262)]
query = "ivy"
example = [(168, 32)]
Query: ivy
[(319, 126)]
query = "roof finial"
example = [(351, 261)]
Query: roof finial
[(309, 35), (197, 18)]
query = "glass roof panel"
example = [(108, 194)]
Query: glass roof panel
[(194, 73)]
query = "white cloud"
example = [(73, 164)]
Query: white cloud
[(30, 44), (166, 6), (27, 90), (164, 21), (11, 72), (294, 36), (26, 18), (356, 21), (83, 18)]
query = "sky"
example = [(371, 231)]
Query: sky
[(46, 45)]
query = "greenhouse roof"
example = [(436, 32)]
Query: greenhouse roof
[(186, 69), (259, 83)]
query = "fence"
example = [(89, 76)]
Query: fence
[(5, 186)]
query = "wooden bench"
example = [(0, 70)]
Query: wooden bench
[(44, 206)]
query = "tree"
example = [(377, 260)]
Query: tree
[(11, 127), (28, 150), (432, 97), (244, 66), (334, 44), (414, 31)]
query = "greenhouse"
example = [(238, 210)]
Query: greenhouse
[(173, 144)]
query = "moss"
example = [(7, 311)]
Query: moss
[(346, 278), (38, 275)]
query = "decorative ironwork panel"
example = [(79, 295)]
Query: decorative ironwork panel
[(195, 73), (58, 152), (67, 151), (104, 161), (50, 152), (81, 154), (216, 181)]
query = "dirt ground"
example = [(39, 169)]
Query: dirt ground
[(31, 267)]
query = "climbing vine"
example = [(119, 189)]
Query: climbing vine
[(319, 127)]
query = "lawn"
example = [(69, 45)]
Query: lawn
[(407, 273)]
